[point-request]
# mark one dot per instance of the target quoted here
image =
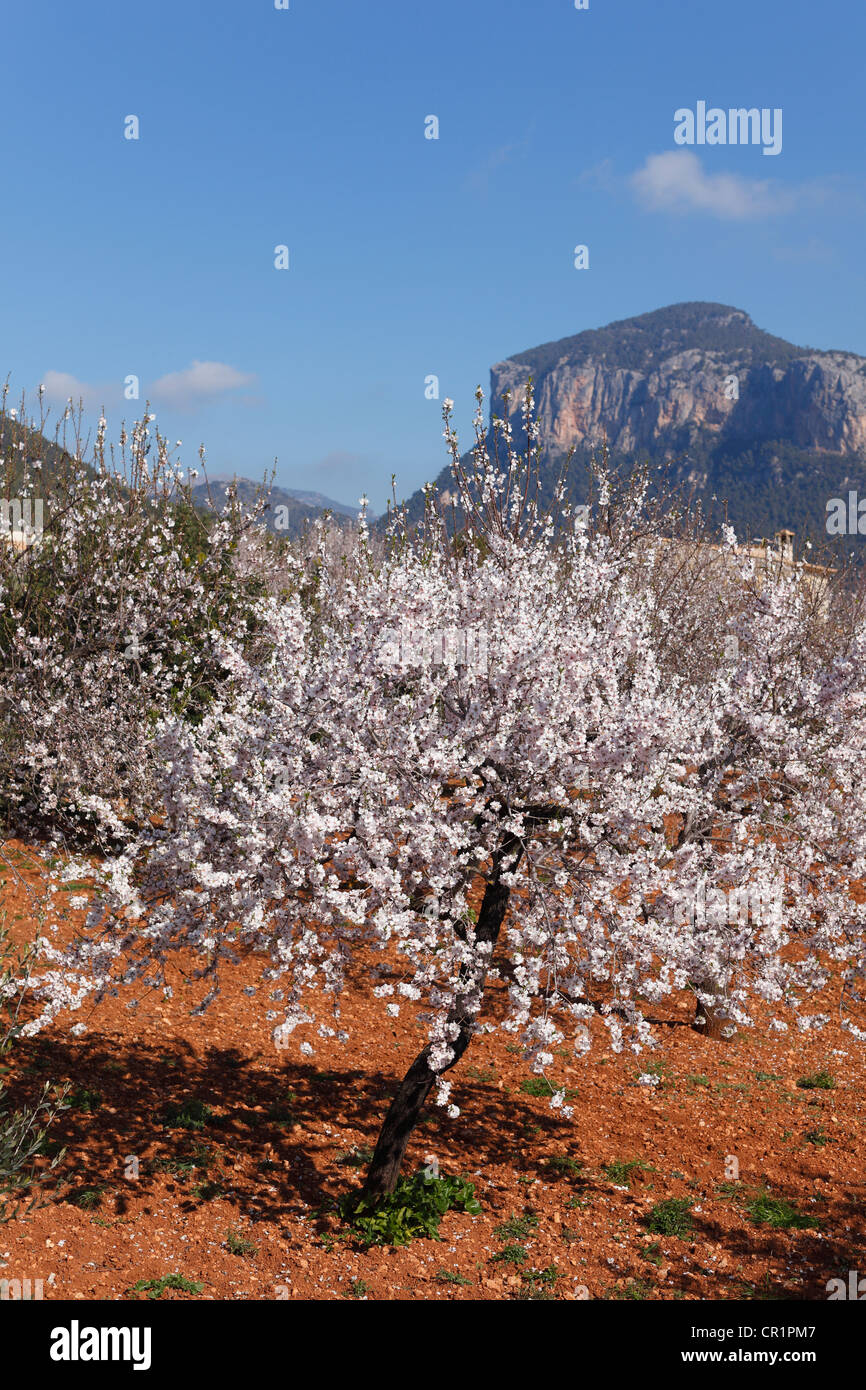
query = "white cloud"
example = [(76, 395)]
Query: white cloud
[(59, 386), (195, 385), (203, 381), (677, 182)]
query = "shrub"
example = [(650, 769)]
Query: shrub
[(239, 1245), (537, 1086), (539, 1285), (563, 1163), (106, 624), (87, 1198), (358, 1288), (511, 1255), (82, 1098), (620, 1170)]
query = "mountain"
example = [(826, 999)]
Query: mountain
[(300, 508), (319, 500), (725, 408)]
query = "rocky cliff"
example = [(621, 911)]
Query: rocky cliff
[(755, 425), (661, 382)]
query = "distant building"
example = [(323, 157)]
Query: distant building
[(772, 559), (779, 554), (20, 540)]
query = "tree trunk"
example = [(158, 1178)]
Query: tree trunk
[(711, 1019), (405, 1109)]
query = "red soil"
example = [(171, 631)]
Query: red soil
[(281, 1124)]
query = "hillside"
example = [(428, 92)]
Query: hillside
[(301, 507), (52, 456), (291, 522)]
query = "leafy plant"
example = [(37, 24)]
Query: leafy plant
[(414, 1208), (819, 1137), (671, 1218), (517, 1228), (357, 1289), (635, 1290), (660, 1070), (763, 1291), (620, 1170), (87, 1198), (280, 1112), (187, 1114), (562, 1163), (818, 1081), (511, 1255), (359, 1157), (484, 1076), (536, 1086), (207, 1191), (82, 1098), (182, 1166), (239, 1245), (539, 1284), (778, 1213), (155, 1288)]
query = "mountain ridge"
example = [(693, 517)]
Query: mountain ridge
[(309, 498), (285, 514)]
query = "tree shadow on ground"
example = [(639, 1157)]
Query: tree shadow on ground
[(226, 1125)]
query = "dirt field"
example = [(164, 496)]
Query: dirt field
[(727, 1179)]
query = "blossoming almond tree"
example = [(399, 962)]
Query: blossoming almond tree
[(484, 711)]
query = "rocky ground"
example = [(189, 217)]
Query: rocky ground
[(197, 1150)]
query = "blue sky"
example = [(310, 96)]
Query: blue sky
[(408, 257)]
